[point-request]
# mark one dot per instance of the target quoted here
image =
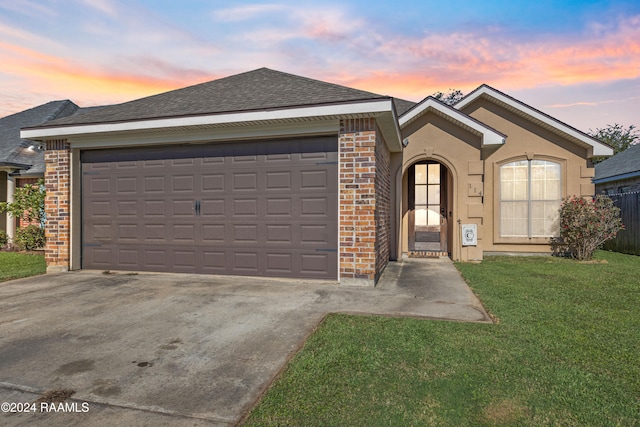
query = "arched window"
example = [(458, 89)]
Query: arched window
[(530, 196)]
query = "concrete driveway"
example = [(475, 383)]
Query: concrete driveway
[(172, 349)]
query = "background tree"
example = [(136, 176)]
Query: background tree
[(450, 98), (28, 204), (617, 137)]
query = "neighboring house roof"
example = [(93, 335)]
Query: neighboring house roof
[(623, 165), (489, 135), (15, 153), (261, 97), (595, 146)]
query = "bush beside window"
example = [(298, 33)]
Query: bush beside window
[(585, 225)]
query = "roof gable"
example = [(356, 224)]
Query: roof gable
[(14, 150), (489, 135), (595, 146), (625, 164), (260, 89)]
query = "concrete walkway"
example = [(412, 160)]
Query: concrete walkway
[(174, 349)]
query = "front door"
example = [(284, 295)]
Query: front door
[(428, 228)]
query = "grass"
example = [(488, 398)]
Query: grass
[(14, 265), (565, 351)]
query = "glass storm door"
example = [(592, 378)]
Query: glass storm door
[(428, 218)]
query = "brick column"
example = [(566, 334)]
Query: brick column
[(362, 217), (383, 204), (57, 179)]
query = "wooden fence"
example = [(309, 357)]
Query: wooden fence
[(628, 240)]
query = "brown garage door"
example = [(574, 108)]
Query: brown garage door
[(247, 208)]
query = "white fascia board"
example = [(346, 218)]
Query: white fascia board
[(598, 148), (199, 135), (489, 136), (369, 107)]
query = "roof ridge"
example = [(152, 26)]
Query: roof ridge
[(64, 104), (320, 81)]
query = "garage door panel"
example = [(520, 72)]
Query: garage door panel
[(278, 207), (99, 185), (245, 262), (127, 208), (183, 208), (264, 208), (278, 158), (245, 181), (184, 259), (213, 183), (154, 184), (126, 185), (214, 262), (314, 264), (279, 263), (278, 181), (154, 233), (128, 258), (183, 183), (213, 208), (99, 208), (278, 234), (127, 233), (245, 207), (154, 209), (213, 234), (155, 259), (101, 257)]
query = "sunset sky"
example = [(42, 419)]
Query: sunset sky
[(578, 61)]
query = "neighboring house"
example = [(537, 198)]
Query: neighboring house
[(619, 178), (620, 173), (22, 160), (270, 174)]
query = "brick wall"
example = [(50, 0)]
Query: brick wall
[(364, 202), (57, 204), (383, 203)]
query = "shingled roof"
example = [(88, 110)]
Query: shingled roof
[(261, 89), (14, 151), (623, 165)]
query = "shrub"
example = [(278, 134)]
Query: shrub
[(4, 239), (585, 225), (29, 238), (28, 204)]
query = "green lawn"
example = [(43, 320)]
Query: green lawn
[(565, 351), (14, 265)]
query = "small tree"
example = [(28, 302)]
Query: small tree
[(28, 203), (617, 137), (450, 98), (585, 225), (28, 207)]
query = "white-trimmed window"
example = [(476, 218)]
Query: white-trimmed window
[(530, 196)]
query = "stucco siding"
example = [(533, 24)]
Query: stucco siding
[(526, 140), (432, 137)]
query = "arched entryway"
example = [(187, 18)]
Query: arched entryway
[(429, 209)]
